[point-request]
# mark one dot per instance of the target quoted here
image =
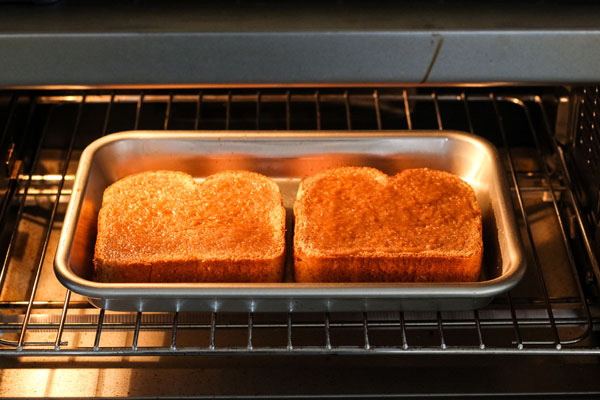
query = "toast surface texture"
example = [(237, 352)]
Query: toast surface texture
[(162, 226), (356, 224)]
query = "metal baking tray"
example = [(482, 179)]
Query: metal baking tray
[(287, 158)]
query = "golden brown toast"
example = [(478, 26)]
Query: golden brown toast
[(359, 225), (164, 227)]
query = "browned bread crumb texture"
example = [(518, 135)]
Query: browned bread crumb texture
[(162, 226), (357, 224)]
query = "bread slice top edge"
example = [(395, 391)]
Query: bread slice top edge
[(144, 194), (304, 232)]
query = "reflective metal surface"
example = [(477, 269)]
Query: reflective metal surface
[(287, 157)]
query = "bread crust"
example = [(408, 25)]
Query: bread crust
[(386, 268), (165, 247), (192, 271), (315, 262)]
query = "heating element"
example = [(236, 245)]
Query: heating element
[(553, 311)]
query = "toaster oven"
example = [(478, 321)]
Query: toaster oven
[(523, 77)]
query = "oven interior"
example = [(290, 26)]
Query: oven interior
[(549, 141)]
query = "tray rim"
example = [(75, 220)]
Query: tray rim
[(100, 290)]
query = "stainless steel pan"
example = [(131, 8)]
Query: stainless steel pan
[(287, 157)]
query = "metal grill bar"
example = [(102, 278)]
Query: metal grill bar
[(299, 97), (99, 330), (421, 324), (65, 193), (213, 327), (138, 111), (199, 111), (367, 344), (407, 110), (437, 111), (228, 112), (258, 98), (403, 330), (479, 332), (377, 109), (198, 351), (318, 110), (174, 331), (347, 104), (269, 97), (515, 323), (250, 327), (290, 345), (536, 176), (136, 332), (107, 115), (441, 330), (288, 118), (327, 333), (463, 98), (63, 318), (168, 112)]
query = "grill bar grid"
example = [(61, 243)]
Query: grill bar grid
[(558, 216), (558, 150), (50, 225), (402, 105), (536, 256), (9, 250)]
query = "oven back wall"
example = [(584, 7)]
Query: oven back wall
[(295, 42)]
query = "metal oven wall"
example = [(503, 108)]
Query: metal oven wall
[(298, 42)]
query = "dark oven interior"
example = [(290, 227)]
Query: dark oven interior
[(549, 141)]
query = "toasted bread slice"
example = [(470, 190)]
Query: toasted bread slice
[(359, 225), (164, 227)]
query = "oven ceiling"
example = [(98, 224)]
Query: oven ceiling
[(333, 42)]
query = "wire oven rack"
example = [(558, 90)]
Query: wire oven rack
[(553, 311)]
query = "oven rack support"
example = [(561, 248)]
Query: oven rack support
[(533, 321)]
